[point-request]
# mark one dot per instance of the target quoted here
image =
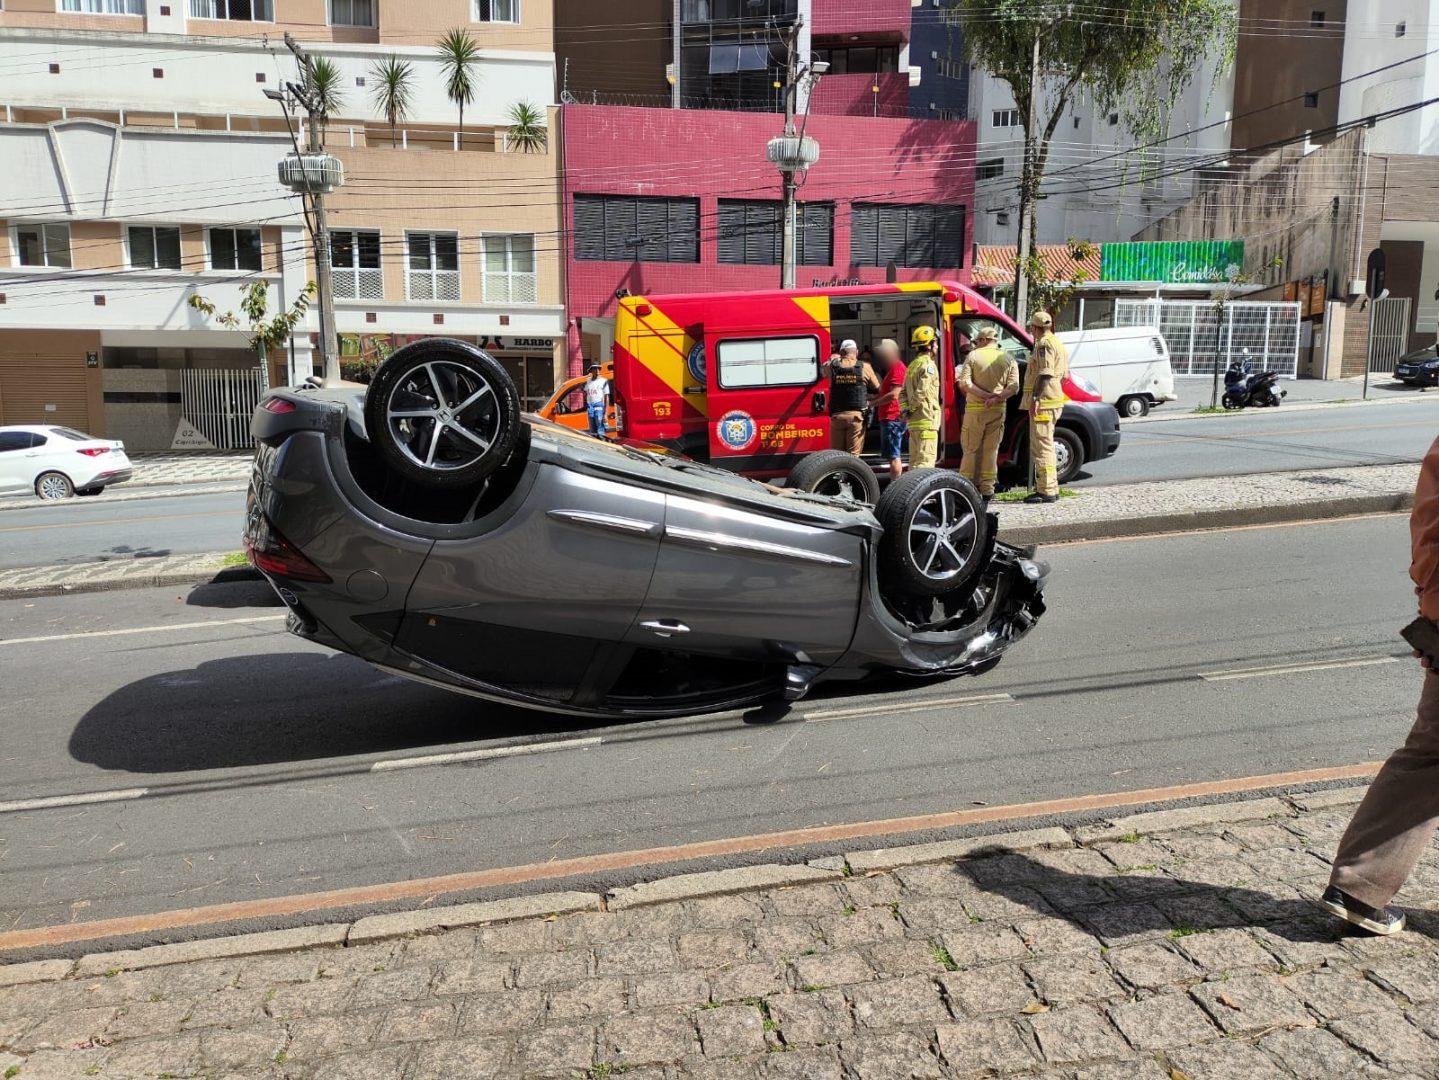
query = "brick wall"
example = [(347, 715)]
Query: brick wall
[(715, 155), (853, 95)]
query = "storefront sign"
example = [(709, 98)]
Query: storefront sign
[(820, 283), (92, 359), (519, 344), (1178, 262)]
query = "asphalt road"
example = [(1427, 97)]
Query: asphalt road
[(1270, 440), (88, 530), (250, 754)]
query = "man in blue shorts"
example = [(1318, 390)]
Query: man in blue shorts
[(891, 426)]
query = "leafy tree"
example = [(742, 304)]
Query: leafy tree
[(394, 90), (1131, 57), (527, 127), (266, 333), (459, 52), (326, 82)]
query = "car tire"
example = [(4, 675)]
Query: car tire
[(835, 472), (53, 486), (1133, 406), (90, 491), (442, 413), (934, 533), (1068, 455)]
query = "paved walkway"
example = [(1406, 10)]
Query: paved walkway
[(190, 468), (1177, 945)]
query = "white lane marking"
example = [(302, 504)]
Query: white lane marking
[(1295, 669), (481, 755), (72, 800), (141, 630), (917, 706)]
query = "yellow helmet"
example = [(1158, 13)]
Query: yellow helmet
[(922, 335)]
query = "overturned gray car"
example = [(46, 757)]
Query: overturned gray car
[(427, 527)]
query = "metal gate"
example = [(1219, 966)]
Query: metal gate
[(1263, 334), (1390, 331), (219, 403)]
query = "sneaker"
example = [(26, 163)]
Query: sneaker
[(1038, 498), (1382, 921)]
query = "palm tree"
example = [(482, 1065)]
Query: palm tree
[(393, 90), (527, 127), (324, 81), (458, 52)]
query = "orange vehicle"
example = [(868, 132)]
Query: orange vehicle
[(567, 404), (735, 379)]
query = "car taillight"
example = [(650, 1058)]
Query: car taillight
[(270, 553), (95, 451), (277, 405)]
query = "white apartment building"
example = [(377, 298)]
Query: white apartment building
[(140, 159)]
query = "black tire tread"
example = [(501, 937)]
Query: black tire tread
[(896, 573), (814, 466)]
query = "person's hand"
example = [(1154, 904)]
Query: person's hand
[(1424, 661), (1034, 407)]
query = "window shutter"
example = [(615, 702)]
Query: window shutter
[(764, 240), (919, 236), (731, 231), (816, 235), (949, 237), (589, 239), (892, 222), (684, 231), (864, 234)]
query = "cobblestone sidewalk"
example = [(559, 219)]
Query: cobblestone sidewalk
[(1178, 945), (154, 469), (122, 573)]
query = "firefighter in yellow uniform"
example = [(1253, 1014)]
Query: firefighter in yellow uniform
[(987, 378), (919, 399), (1044, 400)]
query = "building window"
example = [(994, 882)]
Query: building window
[(760, 11), (509, 264), (154, 247), (1114, 119), (751, 231), (868, 59), (434, 272), (233, 10), (1400, 29), (497, 11), (235, 249), (43, 245), (768, 362), (104, 7), (952, 69), (355, 265), (1311, 100), (989, 170), (1005, 118), (627, 228), (352, 12), (907, 235), (1316, 19)]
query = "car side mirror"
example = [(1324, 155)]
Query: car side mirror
[(817, 402)]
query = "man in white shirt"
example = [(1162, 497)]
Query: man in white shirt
[(597, 400)]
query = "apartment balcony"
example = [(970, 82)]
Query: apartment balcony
[(855, 95), (861, 19)]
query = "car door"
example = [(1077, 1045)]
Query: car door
[(736, 582), (771, 399), (14, 450)]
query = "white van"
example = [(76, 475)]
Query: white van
[(1128, 364)]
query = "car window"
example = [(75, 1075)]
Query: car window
[(14, 440), (71, 433), (779, 361), (970, 325), (36, 439), (572, 402)]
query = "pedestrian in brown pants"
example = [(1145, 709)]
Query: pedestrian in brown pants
[(1394, 824)]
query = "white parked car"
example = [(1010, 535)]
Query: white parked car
[(57, 462), (1128, 366)]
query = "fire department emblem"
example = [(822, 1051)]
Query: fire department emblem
[(737, 430)]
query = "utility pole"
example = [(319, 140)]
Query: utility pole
[(1026, 193), (790, 87), (306, 95)]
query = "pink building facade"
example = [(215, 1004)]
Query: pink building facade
[(683, 200)]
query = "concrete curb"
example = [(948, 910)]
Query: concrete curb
[(141, 494), (202, 570), (672, 889), (1195, 520), (1298, 406)]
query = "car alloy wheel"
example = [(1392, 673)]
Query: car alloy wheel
[(53, 486), (943, 535)]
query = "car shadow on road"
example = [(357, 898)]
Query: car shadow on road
[(287, 707), (1146, 903), (227, 591)]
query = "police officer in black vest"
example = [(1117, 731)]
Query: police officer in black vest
[(851, 382)]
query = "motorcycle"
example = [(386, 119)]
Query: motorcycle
[(1242, 388)]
